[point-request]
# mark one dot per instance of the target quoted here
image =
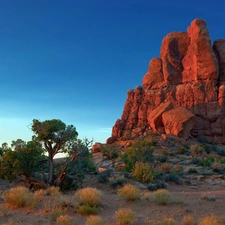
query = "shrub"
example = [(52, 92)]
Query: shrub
[(139, 151), (154, 187), (64, 220), (19, 197), (39, 195), (118, 182), (87, 210), (129, 192), (110, 151), (89, 196), (168, 221), (165, 167), (189, 220), (192, 170), (94, 220), (221, 152), (103, 176), (172, 177), (55, 212), (207, 149), (53, 191), (208, 161), (126, 216), (162, 197), (196, 150), (210, 220), (162, 158), (143, 172), (182, 150)]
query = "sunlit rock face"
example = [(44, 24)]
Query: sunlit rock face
[(183, 91)]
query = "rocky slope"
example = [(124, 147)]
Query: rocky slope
[(183, 91)]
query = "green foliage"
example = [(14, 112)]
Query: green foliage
[(172, 177), (110, 151), (103, 176), (23, 158), (139, 151), (221, 152), (118, 181), (207, 161), (143, 172)]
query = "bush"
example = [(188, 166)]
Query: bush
[(162, 197), (103, 176), (139, 151), (19, 197), (126, 216), (196, 150), (143, 172), (39, 195), (168, 221), (221, 152), (210, 220), (208, 161), (53, 191), (118, 182), (94, 220), (129, 192), (89, 196), (172, 177), (55, 212), (64, 220), (189, 220), (87, 210), (162, 158), (165, 167), (110, 151)]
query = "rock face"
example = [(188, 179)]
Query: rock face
[(183, 91)]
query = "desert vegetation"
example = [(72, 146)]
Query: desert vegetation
[(124, 186)]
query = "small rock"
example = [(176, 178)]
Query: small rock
[(210, 181), (222, 182), (140, 185)]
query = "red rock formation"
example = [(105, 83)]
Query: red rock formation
[(186, 82)]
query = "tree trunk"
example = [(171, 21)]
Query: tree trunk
[(51, 170)]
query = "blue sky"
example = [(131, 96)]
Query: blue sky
[(74, 60)]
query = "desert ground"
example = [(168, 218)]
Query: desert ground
[(186, 200)]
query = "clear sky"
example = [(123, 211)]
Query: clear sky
[(74, 60)]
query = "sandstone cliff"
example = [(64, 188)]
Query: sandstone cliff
[(183, 91)]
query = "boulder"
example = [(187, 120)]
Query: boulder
[(96, 147), (178, 121), (155, 117)]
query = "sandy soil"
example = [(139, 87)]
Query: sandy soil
[(186, 200)]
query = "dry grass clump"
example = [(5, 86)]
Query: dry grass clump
[(19, 197), (64, 220), (162, 197), (39, 195), (89, 196), (53, 191), (125, 216), (94, 220), (89, 199), (189, 220), (129, 192), (210, 220), (55, 212), (166, 221)]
